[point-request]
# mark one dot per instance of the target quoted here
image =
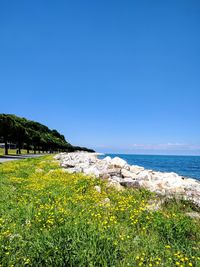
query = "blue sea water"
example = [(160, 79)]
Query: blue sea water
[(188, 166)]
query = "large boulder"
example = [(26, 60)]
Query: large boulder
[(144, 175), (117, 179), (102, 165), (92, 170), (125, 173), (117, 162), (114, 171), (97, 188), (107, 159), (68, 163), (129, 182), (116, 185), (136, 169)]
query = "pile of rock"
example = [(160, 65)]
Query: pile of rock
[(120, 175)]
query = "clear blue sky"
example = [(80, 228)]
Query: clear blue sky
[(118, 76)]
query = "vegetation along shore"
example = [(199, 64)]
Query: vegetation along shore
[(30, 135), (51, 217)]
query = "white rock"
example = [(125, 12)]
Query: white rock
[(136, 169), (68, 163), (114, 171), (117, 179), (126, 167), (118, 162), (144, 175), (98, 188), (116, 185), (57, 157), (106, 201), (129, 182), (107, 159), (104, 176), (92, 171), (170, 184), (125, 173)]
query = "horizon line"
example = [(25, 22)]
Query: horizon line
[(136, 154)]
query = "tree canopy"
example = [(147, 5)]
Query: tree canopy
[(33, 135)]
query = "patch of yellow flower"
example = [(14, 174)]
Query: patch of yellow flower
[(52, 198)]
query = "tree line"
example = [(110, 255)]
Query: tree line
[(31, 135)]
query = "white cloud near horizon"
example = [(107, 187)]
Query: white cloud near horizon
[(174, 148), (165, 146)]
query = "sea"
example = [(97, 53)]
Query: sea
[(187, 166)]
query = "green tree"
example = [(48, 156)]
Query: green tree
[(27, 133)]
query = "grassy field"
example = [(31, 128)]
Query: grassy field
[(51, 218), (13, 151)]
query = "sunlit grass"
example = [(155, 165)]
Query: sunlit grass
[(13, 151), (51, 218)]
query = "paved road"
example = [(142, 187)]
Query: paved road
[(17, 157)]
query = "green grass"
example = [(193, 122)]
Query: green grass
[(52, 218), (13, 152)]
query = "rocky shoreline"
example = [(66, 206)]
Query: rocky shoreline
[(120, 175)]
